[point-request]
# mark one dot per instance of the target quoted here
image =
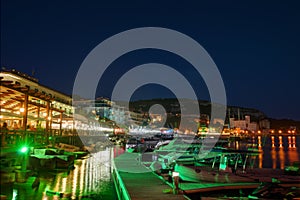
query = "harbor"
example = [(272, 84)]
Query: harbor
[(243, 183), (134, 100), (50, 152), (114, 173)]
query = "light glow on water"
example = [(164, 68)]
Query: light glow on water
[(276, 152), (260, 160), (81, 178), (273, 153), (280, 141), (74, 186), (281, 158), (294, 142)]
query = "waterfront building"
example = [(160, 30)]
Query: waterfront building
[(245, 124), (25, 104), (103, 107), (106, 113)]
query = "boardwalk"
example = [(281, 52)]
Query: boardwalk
[(141, 182)]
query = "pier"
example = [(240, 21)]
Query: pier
[(135, 181)]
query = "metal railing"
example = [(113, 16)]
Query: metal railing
[(11, 138)]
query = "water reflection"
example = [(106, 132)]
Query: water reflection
[(275, 151), (280, 141), (260, 160), (281, 154), (259, 142), (90, 179), (273, 142), (294, 142), (274, 159)]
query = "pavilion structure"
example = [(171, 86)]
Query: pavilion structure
[(25, 104)]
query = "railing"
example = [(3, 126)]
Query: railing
[(119, 184), (11, 138)]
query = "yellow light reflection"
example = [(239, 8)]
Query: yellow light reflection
[(273, 154), (273, 142), (237, 145), (81, 176), (280, 141), (86, 181), (64, 185), (294, 141), (281, 158), (75, 177), (290, 141), (259, 142), (57, 185), (292, 155), (260, 160)]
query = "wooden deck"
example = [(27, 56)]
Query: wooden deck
[(140, 182)]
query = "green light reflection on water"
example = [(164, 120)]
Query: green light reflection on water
[(90, 179)]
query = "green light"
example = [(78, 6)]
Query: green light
[(24, 149)]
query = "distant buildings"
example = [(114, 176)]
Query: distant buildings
[(27, 103), (247, 125), (107, 111)]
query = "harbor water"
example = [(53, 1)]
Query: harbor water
[(277, 152), (91, 176), (90, 179)]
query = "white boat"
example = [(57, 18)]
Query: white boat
[(225, 173)]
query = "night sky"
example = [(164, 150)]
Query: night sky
[(254, 44)]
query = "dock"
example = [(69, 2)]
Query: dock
[(135, 181)]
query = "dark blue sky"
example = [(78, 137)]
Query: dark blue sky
[(254, 44)]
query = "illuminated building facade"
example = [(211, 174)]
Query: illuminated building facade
[(25, 104), (245, 124)]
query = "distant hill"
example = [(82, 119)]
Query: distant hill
[(284, 124), (172, 107)]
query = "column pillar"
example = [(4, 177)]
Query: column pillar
[(47, 118), (60, 123), (25, 113), (37, 126), (50, 119)]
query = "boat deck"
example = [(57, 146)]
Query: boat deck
[(247, 180), (209, 187), (140, 182)]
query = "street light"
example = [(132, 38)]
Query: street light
[(24, 149)]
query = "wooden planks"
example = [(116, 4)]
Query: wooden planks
[(141, 182)]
